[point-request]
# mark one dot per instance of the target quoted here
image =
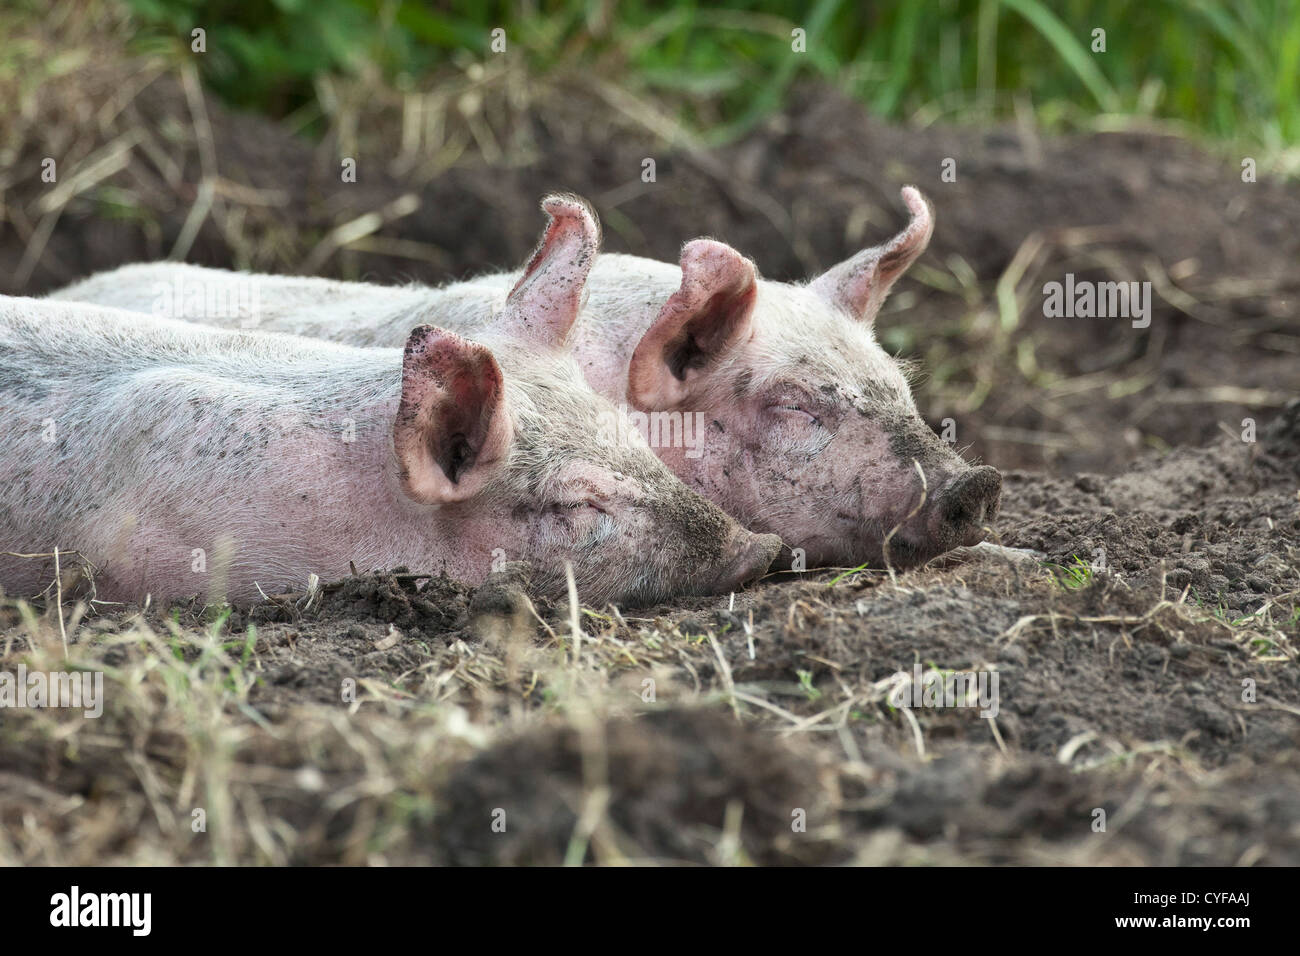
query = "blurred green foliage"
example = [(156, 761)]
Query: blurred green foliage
[(1228, 68)]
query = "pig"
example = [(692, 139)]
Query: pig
[(179, 459), (777, 401), (813, 428)]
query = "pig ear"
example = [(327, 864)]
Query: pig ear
[(710, 314), (452, 427), (545, 301), (859, 285)]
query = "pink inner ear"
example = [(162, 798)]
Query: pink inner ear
[(451, 425), (463, 416), (707, 316), (544, 303), (860, 285)]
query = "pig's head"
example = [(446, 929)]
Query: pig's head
[(812, 432), (524, 461)]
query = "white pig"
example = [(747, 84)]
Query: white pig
[(772, 399), (180, 459)]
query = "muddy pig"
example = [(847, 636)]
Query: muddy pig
[(772, 399), (180, 459)]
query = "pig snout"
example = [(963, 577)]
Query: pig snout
[(746, 559), (965, 505), (954, 516)]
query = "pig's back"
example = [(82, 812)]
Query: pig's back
[(349, 312), (355, 313), (109, 418), (625, 294), (80, 342)]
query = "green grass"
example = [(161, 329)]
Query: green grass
[(1269, 630), (1228, 70), (1075, 576), (848, 573), (806, 685)]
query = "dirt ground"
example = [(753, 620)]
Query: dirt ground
[(1144, 636)]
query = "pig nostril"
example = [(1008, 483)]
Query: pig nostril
[(972, 499), (958, 512)]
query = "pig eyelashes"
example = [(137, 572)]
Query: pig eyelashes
[(797, 412), (568, 507), (559, 509), (792, 400)]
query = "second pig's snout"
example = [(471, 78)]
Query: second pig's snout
[(966, 505)]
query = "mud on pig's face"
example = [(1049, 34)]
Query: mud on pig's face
[(810, 428)]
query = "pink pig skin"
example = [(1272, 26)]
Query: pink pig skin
[(809, 428), (179, 459)]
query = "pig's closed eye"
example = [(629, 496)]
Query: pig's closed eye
[(793, 412), (573, 508)]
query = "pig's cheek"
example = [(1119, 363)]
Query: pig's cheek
[(805, 454), (896, 492), (731, 472), (710, 473), (523, 535), (559, 537)]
